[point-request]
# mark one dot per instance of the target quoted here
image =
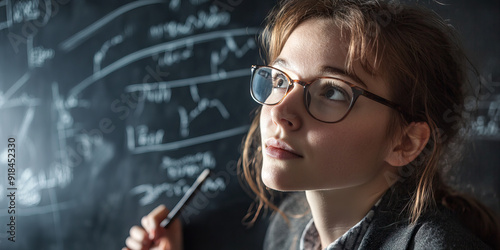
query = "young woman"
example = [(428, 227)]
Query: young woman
[(362, 105)]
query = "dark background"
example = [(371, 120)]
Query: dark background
[(117, 106)]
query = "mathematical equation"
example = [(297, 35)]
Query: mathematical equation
[(74, 141)]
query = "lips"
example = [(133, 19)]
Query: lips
[(279, 149)]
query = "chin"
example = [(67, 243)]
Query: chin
[(275, 180), (271, 184)]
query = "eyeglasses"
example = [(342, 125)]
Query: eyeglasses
[(327, 99)]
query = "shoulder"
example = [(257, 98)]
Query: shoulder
[(441, 230), (438, 228), (285, 233)]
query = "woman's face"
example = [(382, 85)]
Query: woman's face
[(301, 153)]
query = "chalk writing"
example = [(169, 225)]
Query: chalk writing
[(160, 95), (174, 145), (143, 136), (186, 116), (38, 55), (77, 39), (151, 193), (5, 8), (494, 109), (203, 20), (138, 67), (15, 87), (188, 166), (218, 57), (214, 185), (60, 172), (176, 56), (164, 87), (23, 100), (147, 138), (202, 104), (101, 54), (30, 185), (26, 11), (197, 2), (483, 127), (149, 51), (486, 124), (174, 4)]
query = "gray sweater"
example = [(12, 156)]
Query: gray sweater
[(389, 229)]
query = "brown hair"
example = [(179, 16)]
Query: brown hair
[(419, 55)]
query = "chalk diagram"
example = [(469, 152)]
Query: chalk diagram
[(58, 170)]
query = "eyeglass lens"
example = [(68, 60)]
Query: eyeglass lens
[(326, 99)]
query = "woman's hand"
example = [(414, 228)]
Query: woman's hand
[(152, 236)]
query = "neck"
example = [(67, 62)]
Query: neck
[(335, 211)]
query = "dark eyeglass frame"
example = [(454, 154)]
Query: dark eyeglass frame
[(357, 91)]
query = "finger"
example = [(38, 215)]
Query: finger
[(132, 244), (153, 220), (158, 214), (138, 234), (164, 245), (174, 240)]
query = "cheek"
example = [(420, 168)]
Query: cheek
[(265, 120), (349, 154)]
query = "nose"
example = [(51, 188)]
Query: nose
[(289, 113)]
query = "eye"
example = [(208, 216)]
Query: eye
[(335, 94), (334, 91), (279, 81), (264, 73)]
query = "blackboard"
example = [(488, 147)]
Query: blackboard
[(477, 23), (114, 107)]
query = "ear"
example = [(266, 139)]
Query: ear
[(409, 145)]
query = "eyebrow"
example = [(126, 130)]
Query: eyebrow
[(280, 62), (326, 70), (333, 70)]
